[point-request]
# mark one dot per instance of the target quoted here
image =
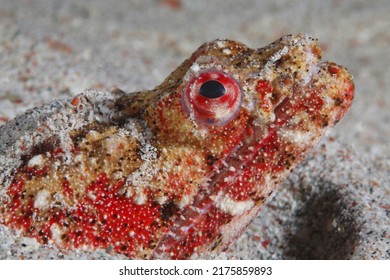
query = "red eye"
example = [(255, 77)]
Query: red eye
[(212, 97)]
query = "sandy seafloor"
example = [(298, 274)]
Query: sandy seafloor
[(334, 206)]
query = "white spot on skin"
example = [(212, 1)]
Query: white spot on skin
[(140, 198), (161, 199), (195, 68), (142, 176), (296, 136), (268, 180), (184, 201), (221, 44), (227, 179), (313, 67), (36, 161), (56, 233), (41, 201), (272, 117), (184, 229), (91, 196), (232, 206), (227, 51), (93, 136), (113, 145), (278, 55), (329, 101)]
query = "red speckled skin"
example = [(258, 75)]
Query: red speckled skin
[(154, 180)]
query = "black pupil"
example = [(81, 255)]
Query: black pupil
[(212, 89)]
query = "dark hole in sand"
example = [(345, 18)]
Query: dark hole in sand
[(326, 225)]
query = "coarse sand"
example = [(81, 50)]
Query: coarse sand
[(334, 206)]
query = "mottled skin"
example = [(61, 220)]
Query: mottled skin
[(160, 181)]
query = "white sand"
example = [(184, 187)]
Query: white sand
[(334, 206)]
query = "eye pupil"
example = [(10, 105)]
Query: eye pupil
[(212, 97), (212, 89)]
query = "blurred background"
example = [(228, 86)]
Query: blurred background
[(51, 49), (56, 49)]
